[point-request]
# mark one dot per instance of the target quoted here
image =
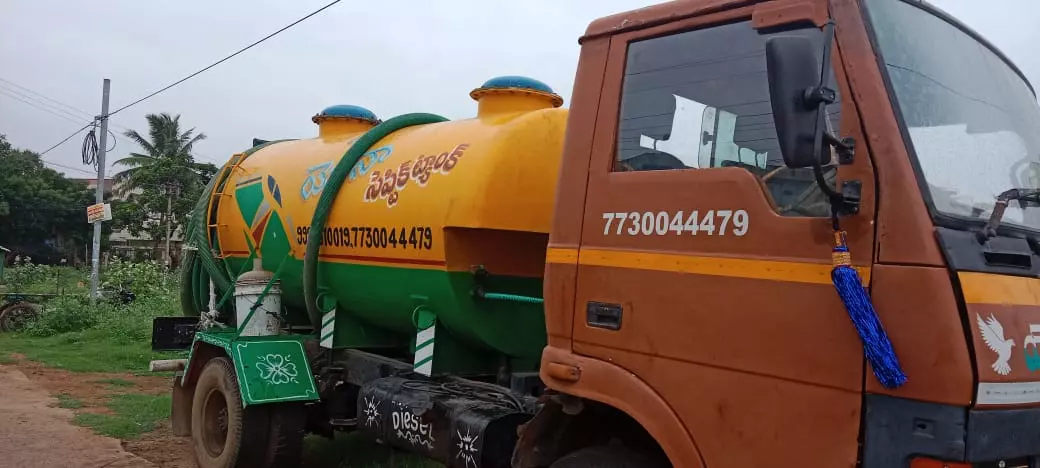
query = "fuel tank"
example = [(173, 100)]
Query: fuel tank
[(430, 217)]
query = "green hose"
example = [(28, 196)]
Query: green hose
[(512, 298), (328, 197), (188, 267)]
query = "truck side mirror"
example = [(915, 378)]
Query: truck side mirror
[(796, 97)]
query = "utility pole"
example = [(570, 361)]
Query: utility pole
[(172, 190), (99, 194)]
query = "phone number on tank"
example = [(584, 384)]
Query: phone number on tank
[(415, 237)]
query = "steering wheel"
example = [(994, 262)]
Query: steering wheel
[(799, 206)]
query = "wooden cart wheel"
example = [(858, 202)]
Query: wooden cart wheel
[(14, 317)]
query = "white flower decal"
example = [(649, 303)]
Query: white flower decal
[(277, 369)]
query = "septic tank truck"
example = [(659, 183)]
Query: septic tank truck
[(765, 234)]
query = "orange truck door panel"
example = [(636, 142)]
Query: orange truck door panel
[(704, 265)]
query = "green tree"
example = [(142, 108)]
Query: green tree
[(164, 172), (167, 153), (42, 214)]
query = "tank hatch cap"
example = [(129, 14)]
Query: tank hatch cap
[(346, 112), (514, 94), (342, 120)]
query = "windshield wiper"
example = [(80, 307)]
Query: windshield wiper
[(1025, 197)]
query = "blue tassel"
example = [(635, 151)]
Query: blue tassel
[(876, 346)]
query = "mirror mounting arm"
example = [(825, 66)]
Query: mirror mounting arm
[(846, 201), (846, 147)]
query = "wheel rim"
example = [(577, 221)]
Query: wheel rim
[(215, 423), (16, 317)]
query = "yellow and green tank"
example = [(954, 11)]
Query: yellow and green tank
[(442, 223)]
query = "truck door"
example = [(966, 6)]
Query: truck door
[(704, 263)]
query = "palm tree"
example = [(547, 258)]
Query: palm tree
[(166, 145)]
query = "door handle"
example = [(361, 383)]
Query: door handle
[(603, 315)]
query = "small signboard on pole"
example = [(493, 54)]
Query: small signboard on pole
[(99, 212)]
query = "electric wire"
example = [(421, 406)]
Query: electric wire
[(82, 112), (27, 101), (70, 168), (186, 78), (39, 104), (40, 101), (48, 150), (89, 148), (218, 62)]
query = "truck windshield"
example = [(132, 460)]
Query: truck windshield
[(972, 119)]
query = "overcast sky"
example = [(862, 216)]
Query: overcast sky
[(391, 56)]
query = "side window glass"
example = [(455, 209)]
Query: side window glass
[(700, 100)]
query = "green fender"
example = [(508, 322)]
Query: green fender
[(270, 369)]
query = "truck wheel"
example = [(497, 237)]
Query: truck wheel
[(218, 421), (608, 456), (16, 316), (226, 435)]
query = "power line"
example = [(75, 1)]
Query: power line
[(3, 93), (50, 108), (44, 96), (40, 103), (218, 62), (21, 98), (66, 138), (49, 163)]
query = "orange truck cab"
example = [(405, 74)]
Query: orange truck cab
[(688, 290)]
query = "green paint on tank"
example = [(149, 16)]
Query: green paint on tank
[(375, 306), (249, 198), (275, 243)]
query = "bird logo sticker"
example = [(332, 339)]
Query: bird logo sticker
[(993, 334)]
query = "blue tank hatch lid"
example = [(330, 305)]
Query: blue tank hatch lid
[(512, 81), (346, 111)]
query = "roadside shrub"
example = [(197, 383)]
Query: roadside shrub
[(133, 322), (68, 314), (142, 278), (24, 273), (74, 316), (24, 276)]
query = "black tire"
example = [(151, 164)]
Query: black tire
[(217, 429), (285, 434), (226, 435), (608, 456), (17, 315)]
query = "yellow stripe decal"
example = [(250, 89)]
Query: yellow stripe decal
[(798, 272), (555, 255), (985, 288)]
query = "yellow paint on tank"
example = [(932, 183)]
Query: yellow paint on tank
[(496, 171)]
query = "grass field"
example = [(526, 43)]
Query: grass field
[(132, 415)]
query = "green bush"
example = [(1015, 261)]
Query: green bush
[(67, 314), (143, 278), (133, 322), (122, 322)]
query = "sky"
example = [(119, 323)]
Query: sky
[(391, 56)]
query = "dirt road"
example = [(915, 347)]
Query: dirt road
[(36, 434)]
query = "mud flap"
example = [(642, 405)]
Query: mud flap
[(269, 369), (180, 411)]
